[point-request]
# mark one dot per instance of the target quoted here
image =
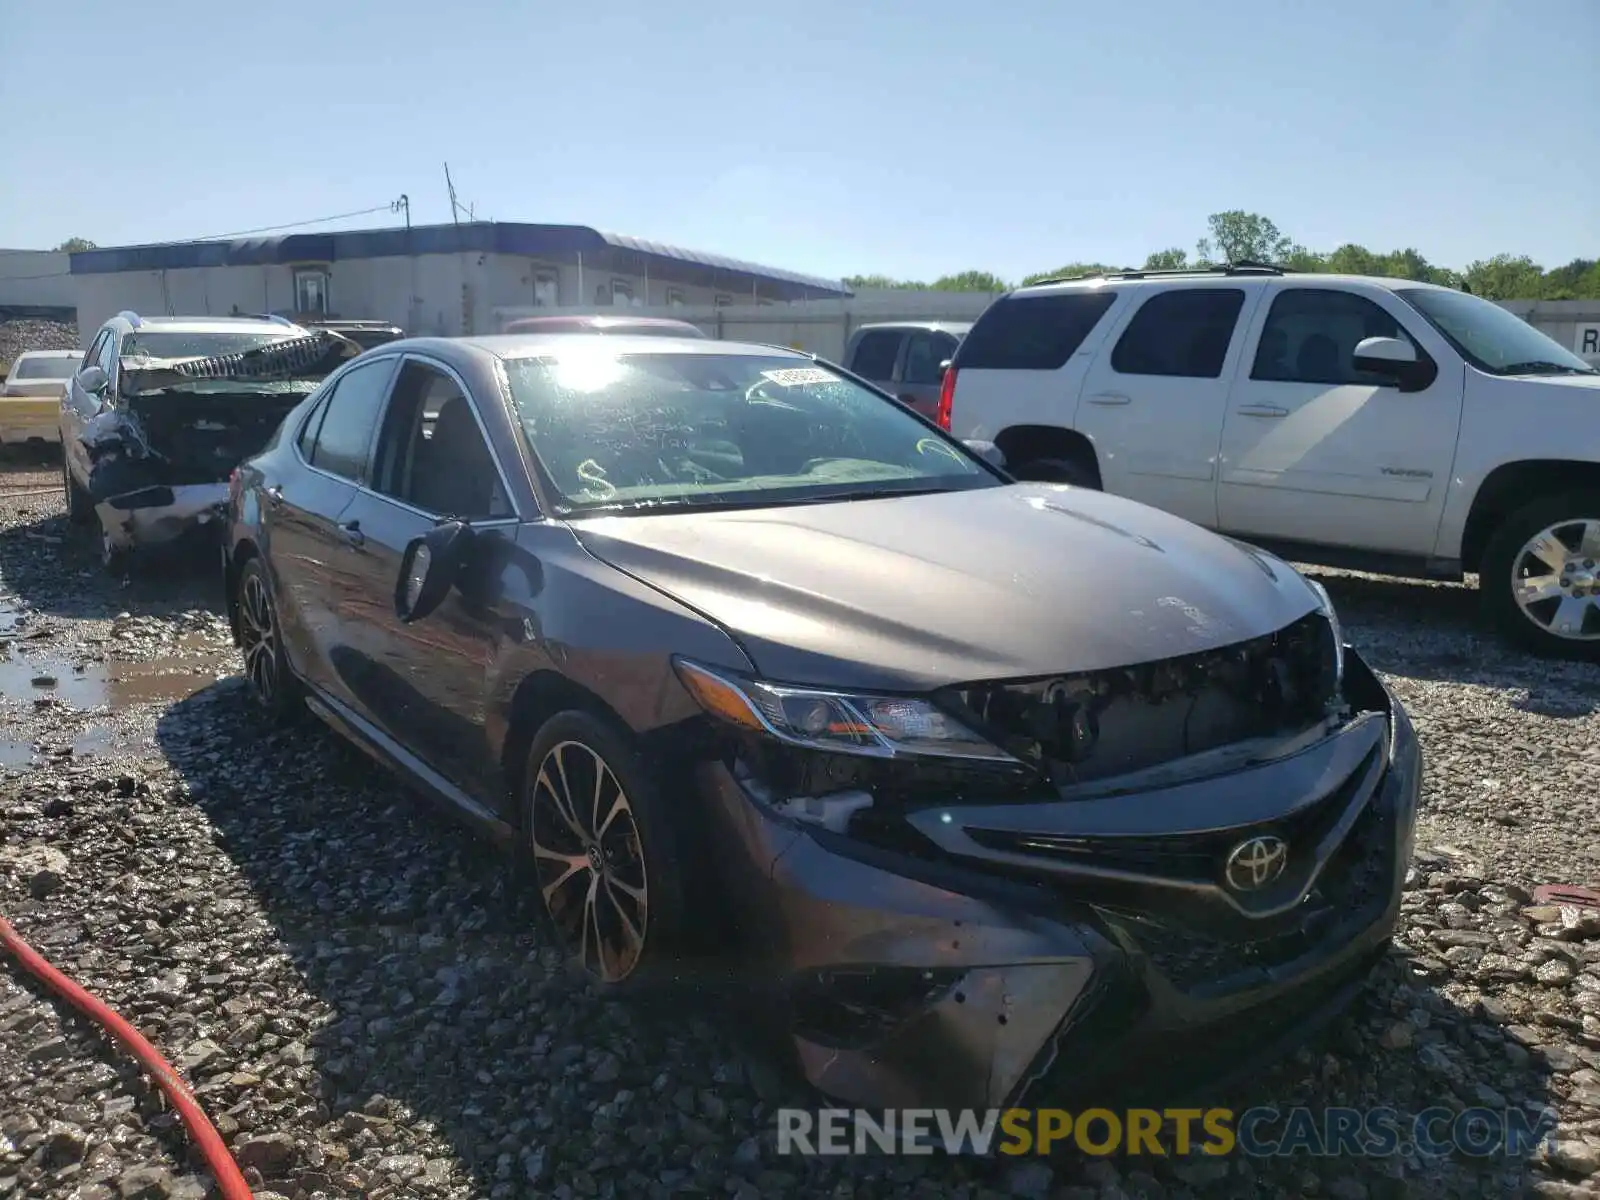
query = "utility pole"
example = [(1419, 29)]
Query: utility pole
[(455, 209), (403, 205)]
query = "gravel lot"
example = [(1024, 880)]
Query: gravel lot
[(360, 999)]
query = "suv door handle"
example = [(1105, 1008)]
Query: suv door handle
[(1109, 398), (352, 533), (1262, 410)]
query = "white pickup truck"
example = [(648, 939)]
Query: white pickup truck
[(1374, 424)]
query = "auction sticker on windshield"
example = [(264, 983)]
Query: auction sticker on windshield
[(800, 376)]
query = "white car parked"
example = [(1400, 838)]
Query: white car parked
[(1376, 424), (30, 399)]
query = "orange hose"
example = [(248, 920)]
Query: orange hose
[(167, 1078)]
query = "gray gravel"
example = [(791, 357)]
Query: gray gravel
[(360, 999), (30, 334)]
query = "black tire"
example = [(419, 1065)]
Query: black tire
[(638, 850), (80, 508), (1060, 470), (1504, 556), (272, 684)]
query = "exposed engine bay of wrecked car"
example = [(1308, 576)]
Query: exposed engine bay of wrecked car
[(160, 454)]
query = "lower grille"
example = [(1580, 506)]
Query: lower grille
[(1351, 892)]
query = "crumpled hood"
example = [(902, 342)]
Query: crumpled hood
[(912, 593)]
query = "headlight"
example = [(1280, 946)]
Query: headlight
[(842, 723), (1325, 607)]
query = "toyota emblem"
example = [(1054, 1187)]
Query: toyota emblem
[(1256, 864)]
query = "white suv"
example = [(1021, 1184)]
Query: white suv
[(1375, 424)]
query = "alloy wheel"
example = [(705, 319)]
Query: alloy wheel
[(258, 637), (588, 860), (1555, 580)]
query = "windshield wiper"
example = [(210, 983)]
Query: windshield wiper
[(686, 503), (1539, 367)]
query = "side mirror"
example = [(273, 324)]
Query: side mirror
[(429, 569), (1393, 358), (988, 451), (92, 379)]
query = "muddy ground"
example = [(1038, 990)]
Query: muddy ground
[(363, 1004)]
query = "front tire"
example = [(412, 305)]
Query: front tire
[(1540, 576), (266, 666), (80, 510), (604, 855)]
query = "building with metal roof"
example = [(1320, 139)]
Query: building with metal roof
[(439, 279)]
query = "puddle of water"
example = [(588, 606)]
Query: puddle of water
[(113, 685)]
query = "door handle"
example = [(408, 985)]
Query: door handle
[(1262, 410), (352, 533), (1107, 399), (274, 495)]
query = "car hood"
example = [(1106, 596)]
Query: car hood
[(913, 593)]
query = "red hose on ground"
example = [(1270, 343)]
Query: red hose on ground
[(194, 1118)]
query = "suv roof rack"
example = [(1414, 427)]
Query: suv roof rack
[(1243, 267)]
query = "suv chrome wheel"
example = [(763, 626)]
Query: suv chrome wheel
[(258, 638), (589, 861), (1555, 580)]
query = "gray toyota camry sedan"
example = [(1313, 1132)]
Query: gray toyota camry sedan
[(998, 791)]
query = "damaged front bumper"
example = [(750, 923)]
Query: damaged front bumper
[(152, 516), (1074, 949)]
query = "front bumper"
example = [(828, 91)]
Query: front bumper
[(151, 516), (982, 975)]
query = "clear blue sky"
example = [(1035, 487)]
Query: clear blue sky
[(905, 138)]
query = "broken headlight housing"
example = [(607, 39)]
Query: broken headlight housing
[(1325, 607), (837, 722)]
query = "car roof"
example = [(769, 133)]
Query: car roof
[(1213, 279), (48, 354), (603, 321), (955, 327), (525, 345)]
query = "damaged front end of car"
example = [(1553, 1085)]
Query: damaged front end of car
[(159, 457), (1057, 887)]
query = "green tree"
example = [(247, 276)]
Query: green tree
[(1578, 280), (1240, 236), (1300, 259), (869, 283), (1071, 271), (970, 281), (1506, 277), (1172, 259), (74, 244)]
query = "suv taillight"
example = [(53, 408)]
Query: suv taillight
[(947, 399)]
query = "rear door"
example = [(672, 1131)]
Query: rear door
[(310, 548), (875, 356), (426, 684), (1154, 405), (920, 376)]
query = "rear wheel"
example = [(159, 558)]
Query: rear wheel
[(1060, 470), (1540, 576), (261, 640)]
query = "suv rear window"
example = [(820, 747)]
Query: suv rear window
[(1032, 333), (1185, 332)]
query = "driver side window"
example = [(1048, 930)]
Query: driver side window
[(432, 455), (1311, 334)]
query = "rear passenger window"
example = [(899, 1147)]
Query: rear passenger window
[(1037, 333), (876, 353), (1184, 332), (349, 420), (924, 353)]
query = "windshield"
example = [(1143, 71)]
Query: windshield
[(1490, 338), (646, 432), (197, 345), (45, 366)]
